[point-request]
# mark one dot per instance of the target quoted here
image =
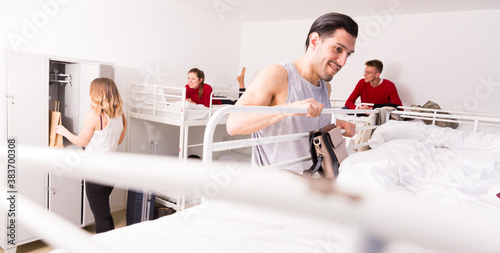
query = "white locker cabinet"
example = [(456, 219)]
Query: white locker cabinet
[(32, 84), (27, 122)]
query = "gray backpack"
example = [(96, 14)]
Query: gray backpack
[(433, 105)]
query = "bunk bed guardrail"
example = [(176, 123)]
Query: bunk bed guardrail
[(396, 219), (210, 146)]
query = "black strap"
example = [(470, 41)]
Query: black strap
[(101, 121), (315, 167)]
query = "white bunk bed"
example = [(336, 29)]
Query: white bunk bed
[(337, 103), (167, 105), (262, 217)]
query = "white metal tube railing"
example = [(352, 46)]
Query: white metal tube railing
[(437, 115), (474, 114), (387, 217), (210, 146), (56, 231), (448, 116)]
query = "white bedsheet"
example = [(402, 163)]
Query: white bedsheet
[(441, 165), (221, 226), (193, 111)]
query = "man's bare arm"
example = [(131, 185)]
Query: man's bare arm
[(269, 88)]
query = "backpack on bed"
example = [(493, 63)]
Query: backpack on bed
[(434, 105)]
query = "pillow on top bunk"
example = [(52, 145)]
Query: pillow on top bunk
[(228, 90)]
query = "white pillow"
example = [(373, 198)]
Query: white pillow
[(227, 90)]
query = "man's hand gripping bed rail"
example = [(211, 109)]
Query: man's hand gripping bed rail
[(210, 146)]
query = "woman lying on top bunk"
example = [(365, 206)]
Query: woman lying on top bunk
[(198, 92)]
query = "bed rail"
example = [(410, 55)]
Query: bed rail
[(56, 231), (436, 115), (157, 103), (148, 101), (210, 146), (337, 103), (384, 217), (408, 219)]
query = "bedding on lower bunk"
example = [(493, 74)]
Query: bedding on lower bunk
[(442, 165), (225, 226)]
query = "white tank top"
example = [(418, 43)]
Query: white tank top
[(298, 89), (106, 140)]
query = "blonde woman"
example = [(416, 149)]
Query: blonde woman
[(102, 131)]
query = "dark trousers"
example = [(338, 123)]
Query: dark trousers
[(98, 196)]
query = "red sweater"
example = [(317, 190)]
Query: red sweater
[(384, 93), (205, 96)]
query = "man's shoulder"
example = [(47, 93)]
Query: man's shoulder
[(387, 81), (284, 64), (274, 72), (269, 86), (362, 82), (278, 67)]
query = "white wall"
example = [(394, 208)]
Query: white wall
[(450, 58), (163, 38), (153, 41)]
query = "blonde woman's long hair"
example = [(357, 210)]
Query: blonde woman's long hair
[(104, 97)]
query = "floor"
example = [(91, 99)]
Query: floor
[(41, 247)]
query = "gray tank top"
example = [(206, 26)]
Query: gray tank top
[(298, 89)]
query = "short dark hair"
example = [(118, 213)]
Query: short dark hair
[(327, 24), (379, 66)]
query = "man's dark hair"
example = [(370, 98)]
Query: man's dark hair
[(327, 24), (375, 63)]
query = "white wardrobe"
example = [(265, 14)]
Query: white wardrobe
[(31, 83)]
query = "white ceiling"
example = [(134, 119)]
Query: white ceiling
[(275, 10)]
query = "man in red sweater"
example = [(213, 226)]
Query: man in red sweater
[(373, 89)]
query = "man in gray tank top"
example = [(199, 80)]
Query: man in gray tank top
[(303, 83)]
